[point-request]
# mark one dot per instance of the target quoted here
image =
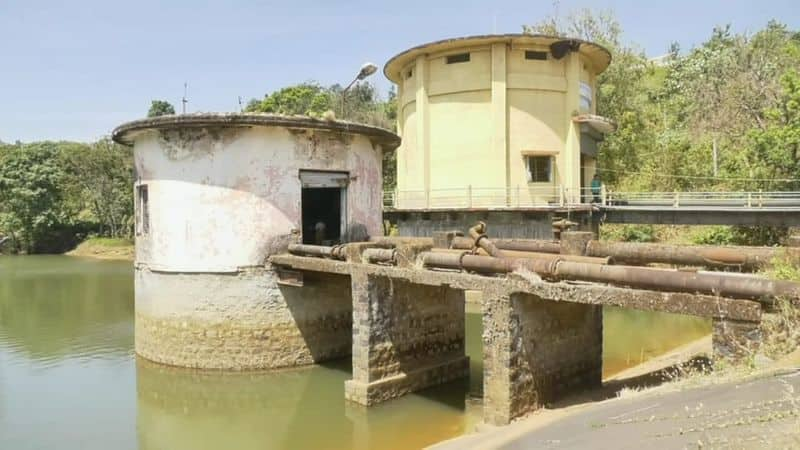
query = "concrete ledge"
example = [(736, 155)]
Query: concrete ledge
[(414, 380)]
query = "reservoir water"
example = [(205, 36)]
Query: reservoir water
[(69, 378)]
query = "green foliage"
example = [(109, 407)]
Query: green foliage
[(30, 194), (308, 99), (739, 235), (717, 235), (53, 194), (630, 233), (784, 267), (99, 180), (160, 108)]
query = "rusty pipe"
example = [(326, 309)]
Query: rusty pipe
[(478, 235), (722, 284), (522, 245), (335, 252), (749, 258), (379, 255), (738, 286), (550, 256)]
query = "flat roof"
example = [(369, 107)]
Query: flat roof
[(125, 133), (599, 55)]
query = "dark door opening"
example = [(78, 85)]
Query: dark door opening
[(322, 215)]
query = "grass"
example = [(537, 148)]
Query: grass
[(105, 248)]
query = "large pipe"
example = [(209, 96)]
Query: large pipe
[(335, 252), (739, 286), (533, 255), (748, 258), (522, 245)]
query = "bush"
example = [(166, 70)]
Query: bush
[(721, 235), (630, 233)]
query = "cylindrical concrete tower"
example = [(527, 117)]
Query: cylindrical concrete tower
[(497, 121), (216, 195)]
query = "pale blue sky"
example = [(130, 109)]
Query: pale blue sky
[(76, 69)]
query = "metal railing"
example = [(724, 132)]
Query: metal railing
[(559, 196)]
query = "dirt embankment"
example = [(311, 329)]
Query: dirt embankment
[(105, 248)]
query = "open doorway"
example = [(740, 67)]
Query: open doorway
[(323, 207)]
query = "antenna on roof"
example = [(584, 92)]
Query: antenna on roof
[(184, 100)]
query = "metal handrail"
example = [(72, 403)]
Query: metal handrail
[(523, 196)]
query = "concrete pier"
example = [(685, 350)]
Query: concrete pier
[(406, 337)]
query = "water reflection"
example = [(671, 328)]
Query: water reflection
[(54, 307), (299, 408)]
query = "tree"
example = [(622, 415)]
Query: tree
[(30, 194), (160, 108), (100, 175), (308, 99)]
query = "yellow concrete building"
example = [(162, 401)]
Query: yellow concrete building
[(497, 121)]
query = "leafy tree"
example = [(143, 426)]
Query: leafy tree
[(160, 108), (308, 99), (30, 194), (100, 176)]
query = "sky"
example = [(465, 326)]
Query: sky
[(73, 70)]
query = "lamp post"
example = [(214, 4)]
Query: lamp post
[(366, 70)]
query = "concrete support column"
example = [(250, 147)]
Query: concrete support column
[(422, 128), (534, 351), (406, 337), (500, 109), (571, 156), (575, 242), (735, 339)]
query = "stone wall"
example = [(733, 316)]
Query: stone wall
[(536, 350), (406, 337), (241, 321)]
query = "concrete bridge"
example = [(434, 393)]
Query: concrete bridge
[(748, 208), (541, 339)]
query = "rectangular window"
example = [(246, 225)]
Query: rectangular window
[(458, 58), (586, 97), (538, 56), (539, 168), (142, 210)]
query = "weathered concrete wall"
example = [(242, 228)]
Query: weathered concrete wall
[(536, 350), (230, 197), (241, 321), (502, 224), (223, 194), (405, 337)]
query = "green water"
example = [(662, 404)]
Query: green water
[(69, 378)]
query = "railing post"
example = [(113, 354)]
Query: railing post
[(677, 200), (749, 199), (469, 196), (760, 198), (560, 195), (518, 194), (603, 194), (427, 198)]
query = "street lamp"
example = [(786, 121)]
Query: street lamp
[(366, 70)]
